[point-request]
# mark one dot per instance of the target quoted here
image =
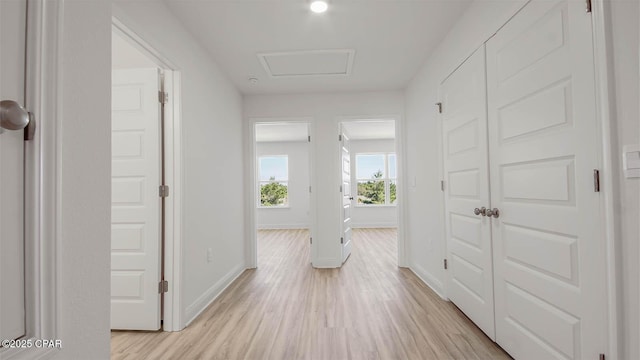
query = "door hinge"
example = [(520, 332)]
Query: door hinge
[(163, 97), (310, 189), (341, 240), (442, 185), (340, 188), (439, 105), (311, 240), (309, 138), (163, 286), (601, 357), (163, 191), (340, 137), (588, 6), (446, 266), (596, 180)]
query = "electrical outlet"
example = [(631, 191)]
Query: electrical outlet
[(209, 255)]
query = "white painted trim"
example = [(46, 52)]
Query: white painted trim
[(282, 226), (401, 192), (433, 283), (603, 83), (262, 57), (173, 206), (42, 180), (327, 263), (380, 225), (401, 179), (204, 300), (251, 241), (173, 267)]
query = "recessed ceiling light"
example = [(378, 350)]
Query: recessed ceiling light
[(253, 80), (319, 6)]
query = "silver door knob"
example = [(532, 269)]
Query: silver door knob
[(482, 211), (493, 212), (13, 116)]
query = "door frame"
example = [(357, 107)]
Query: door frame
[(42, 215), (401, 208), (604, 82), (172, 314), (251, 168)]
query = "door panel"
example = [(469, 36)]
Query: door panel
[(346, 196), (469, 253), (12, 76), (136, 206), (550, 292)]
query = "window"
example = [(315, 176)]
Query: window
[(376, 176), (273, 175)]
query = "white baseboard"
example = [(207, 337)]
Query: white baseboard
[(373, 225), (429, 280), (198, 306), (327, 263), (281, 226)]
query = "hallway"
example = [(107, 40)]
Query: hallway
[(285, 309)]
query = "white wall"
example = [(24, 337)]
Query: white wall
[(324, 109), (126, 56), (213, 211), (296, 214), (425, 207), (363, 216), (624, 22), (85, 185)]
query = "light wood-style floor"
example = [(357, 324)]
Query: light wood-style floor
[(285, 309)]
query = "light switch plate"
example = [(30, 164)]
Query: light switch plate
[(631, 161)]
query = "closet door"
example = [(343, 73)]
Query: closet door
[(464, 125), (549, 248)]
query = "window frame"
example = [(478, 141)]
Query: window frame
[(385, 178), (259, 182)]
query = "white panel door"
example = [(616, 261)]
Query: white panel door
[(466, 169), (12, 76), (549, 248), (347, 197), (136, 205)]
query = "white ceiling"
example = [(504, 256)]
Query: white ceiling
[(391, 38), (370, 130)]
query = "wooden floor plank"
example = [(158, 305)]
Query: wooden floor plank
[(285, 309)]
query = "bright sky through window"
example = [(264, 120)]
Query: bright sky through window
[(274, 167), (368, 165)]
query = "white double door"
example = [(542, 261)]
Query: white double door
[(532, 277)]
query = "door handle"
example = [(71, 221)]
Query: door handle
[(482, 211), (350, 197), (13, 116), (493, 212)]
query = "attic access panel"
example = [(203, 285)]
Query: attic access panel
[(308, 63)]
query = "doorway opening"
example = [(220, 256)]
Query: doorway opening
[(369, 190), (282, 188), (146, 187)]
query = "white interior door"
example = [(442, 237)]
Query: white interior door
[(466, 168), (136, 205), (549, 250), (12, 76), (347, 197)]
